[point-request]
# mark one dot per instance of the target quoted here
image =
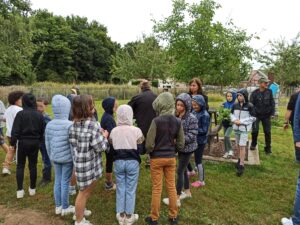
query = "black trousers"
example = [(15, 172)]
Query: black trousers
[(266, 122), (182, 177), (27, 149)]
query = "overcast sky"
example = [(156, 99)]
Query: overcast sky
[(126, 20)]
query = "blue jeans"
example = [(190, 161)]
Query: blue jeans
[(63, 173), (46, 162), (127, 175)]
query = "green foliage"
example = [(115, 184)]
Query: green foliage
[(224, 114), (155, 83), (204, 48)]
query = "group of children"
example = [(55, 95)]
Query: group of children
[(75, 146)]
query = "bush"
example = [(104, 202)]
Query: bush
[(155, 83)]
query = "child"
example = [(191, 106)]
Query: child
[(41, 107), (230, 99), (87, 142), (165, 137), (242, 118), (59, 150), (2, 125), (125, 138), (199, 111), (190, 128), (108, 123), (15, 102), (26, 136)]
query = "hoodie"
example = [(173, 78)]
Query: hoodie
[(29, 124), (57, 131), (203, 119), (296, 127), (125, 138), (243, 112), (228, 105), (165, 136), (107, 120), (189, 123)]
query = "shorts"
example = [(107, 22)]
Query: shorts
[(241, 138), (1, 136)]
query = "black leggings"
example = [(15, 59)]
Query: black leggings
[(30, 149), (182, 177), (109, 162)]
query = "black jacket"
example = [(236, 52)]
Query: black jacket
[(29, 124), (263, 102), (142, 109)]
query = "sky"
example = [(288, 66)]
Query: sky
[(127, 20)]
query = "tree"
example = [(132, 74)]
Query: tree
[(204, 48)]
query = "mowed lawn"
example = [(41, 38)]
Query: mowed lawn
[(261, 197)]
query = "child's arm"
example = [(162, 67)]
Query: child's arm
[(191, 134), (180, 139), (16, 130), (203, 125), (151, 135), (98, 142)]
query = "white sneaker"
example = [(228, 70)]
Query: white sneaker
[(286, 221), (72, 192), (230, 154), (31, 191), (184, 195), (166, 201), (132, 219), (86, 213), (83, 222), (120, 219), (58, 210), (20, 194), (68, 211), (6, 171)]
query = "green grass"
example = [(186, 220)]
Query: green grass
[(261, 197)]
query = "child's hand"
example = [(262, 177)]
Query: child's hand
[(237, 122), (105, 133), (298, 144)]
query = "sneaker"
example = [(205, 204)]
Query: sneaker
[(230, 153), (32, 192), (252, 148), (237, 164), (150, 221), (185, 195), (111, 187), (173, 221), (86, 213), (6, 171), (198, 183), (240, 170), (166, 201), (225, 156), (68, 211), (191, 173), (20, 194), (132, 219), (83, 222), (58, 210), (120, 219), (268, 151), (286, 221)]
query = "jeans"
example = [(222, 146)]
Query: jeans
[(127, 175), (266, 122), (182, 177), (46, 162), (296, 217), (27, 149), (227, 141), (198, 160), (160, 168), (63, 173)]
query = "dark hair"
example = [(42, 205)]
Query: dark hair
[(43, 100), (199, 84), (82, 107), (14, 96)]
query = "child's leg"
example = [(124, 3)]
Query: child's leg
[(198, 160), (67, 170), (243, 144), (242, 154), (227, 140), (72, 184), (33, 159), (58, 184), (9, 157), (21, 161), (121, 185), (169, 172), (46, 162), (156, 169), (81, 200), (5, 147), (189, 167), (182, 177), (109, 168), (132, 175)]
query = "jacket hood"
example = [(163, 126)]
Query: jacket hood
[(29, 101), (71, 97), (200, 101), (108, 105), (187, 101), (61, 107), (164, 104), (124, 115), (244, 92), (227, 104)]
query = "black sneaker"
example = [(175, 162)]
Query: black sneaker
[(240, 170), (268, 151), (150, 221), (252, 148), (237, 164), (173, 221)]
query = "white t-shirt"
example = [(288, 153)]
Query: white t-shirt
[(9, 116)]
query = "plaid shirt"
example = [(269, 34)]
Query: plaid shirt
[(87, 143)]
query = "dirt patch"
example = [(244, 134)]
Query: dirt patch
[(11, 216)]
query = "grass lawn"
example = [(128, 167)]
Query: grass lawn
[(261, 197)]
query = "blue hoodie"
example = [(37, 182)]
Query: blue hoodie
[(107, 121), (203, 119), (227, 104), (57, 131), (296, 128)]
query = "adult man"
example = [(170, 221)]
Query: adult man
[(289, 115), (264, 108), (142, 107)]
